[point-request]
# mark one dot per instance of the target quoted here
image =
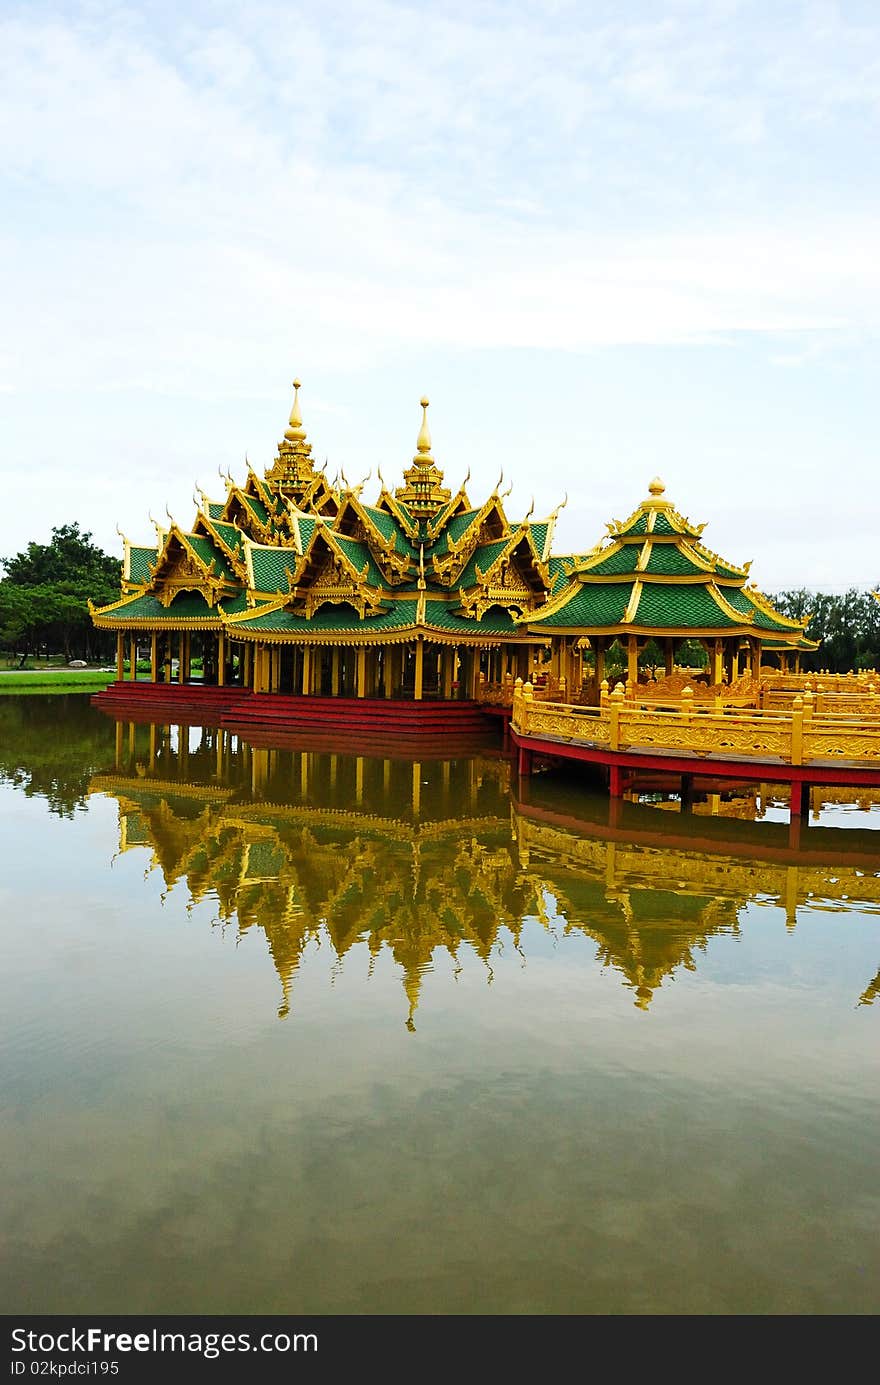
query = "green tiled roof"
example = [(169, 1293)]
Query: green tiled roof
[(307, 528), (333, 619), (139, 560), (668, 560), (186, 606), (663, 526), (210, 553), (619, 561), (459, 524), (269, 564), (484, 557), (231, 536), (440, 616), (753, 614), (593, 607), (638, 526), (232, 605), (539, 537), (557, 573), (216, 508), (359, 553), (454, 530), (257, 506), (665, 607), (385, 523)]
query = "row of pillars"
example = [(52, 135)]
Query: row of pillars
[(725, 658), (363, 671), (178, 644)]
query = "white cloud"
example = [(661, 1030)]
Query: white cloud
[(202, 208)]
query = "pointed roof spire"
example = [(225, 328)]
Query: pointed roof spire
[(293, 471), (424, 493), (295, 431), (423, 445)]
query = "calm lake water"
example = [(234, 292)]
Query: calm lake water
[(293, 1031)]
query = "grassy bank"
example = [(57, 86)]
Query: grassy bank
[(56, 680)]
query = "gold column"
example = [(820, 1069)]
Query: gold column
[(334, 673), (118, 747), (120, 656), (181, 658), (387, 661), (416, 788), (154, 665), (359, 779), (717, 661), (448, 657), (419, 670), (154, 738), (475, 672), (221, 659), (632, 661), (599, 657), (132, 657), (307, 670), (362, 671), (734, 667)]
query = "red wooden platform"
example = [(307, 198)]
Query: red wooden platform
[(435, 728), (621, 763)]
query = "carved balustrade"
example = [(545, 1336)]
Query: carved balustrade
[(795, 737)]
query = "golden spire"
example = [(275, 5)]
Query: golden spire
[(424, 493), (293, 471), (295, 431), (423, 445)]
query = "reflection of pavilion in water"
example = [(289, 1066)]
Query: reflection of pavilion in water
[(416, 857)]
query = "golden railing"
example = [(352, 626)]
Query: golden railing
[(797, 737)]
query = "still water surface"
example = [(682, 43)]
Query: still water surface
[(294, 1031)]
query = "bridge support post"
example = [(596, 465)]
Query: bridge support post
[(800, 800), (615, 781), (687, 792), (524, 762)]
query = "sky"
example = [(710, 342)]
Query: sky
[(608, 241)]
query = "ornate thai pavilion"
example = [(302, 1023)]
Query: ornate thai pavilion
[(652, 578), (295, 585), (291, 584)]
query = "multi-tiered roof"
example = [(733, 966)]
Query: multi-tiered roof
[(291, 557), (652, 576)]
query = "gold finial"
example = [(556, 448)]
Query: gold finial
[(656, 487), (423, 445), (295, 431)]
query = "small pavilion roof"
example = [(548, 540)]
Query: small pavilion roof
[(654, 576)]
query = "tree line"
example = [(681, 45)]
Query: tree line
[(45, 590), (44, 596)]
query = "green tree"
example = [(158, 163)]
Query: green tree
[(847, 625), (45, 592)]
